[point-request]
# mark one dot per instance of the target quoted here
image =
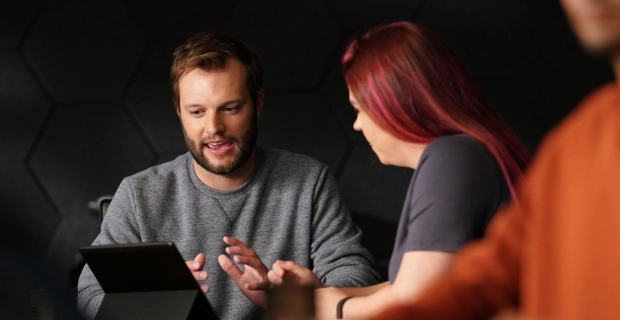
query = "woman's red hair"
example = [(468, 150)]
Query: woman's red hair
[(414, 87)]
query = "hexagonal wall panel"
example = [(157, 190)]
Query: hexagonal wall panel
[(507, 98), (335, 91), (177, 20), (15, 17), (27, 219), (488, 35), (84, 49), (371, 188), (63, 254), (556, 73), (23, 108), (294, 39), (545, 9), (359, 15), (302, 123), (85, 152), (150, 100)]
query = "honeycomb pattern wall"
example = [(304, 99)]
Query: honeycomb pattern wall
[(85, 100)]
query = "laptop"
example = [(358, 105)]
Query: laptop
[(146, 281)]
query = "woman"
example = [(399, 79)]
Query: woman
[(418, 108)]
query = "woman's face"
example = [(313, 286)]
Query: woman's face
[(389, 149), (381, 142)]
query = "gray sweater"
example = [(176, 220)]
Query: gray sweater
[(289, 209)]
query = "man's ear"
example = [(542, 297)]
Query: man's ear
[(178, 111), (259, 102)]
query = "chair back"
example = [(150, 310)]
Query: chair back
[(103, 208)]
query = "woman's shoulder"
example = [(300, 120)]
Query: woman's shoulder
[(458, 165), (457, 147)]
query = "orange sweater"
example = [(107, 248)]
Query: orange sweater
[(555, 254)]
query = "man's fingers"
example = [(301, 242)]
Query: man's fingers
[(234, 242), (243, 254), (241, 250), (190, 265), (257, 286), (235, 250), (198, 263), (200, 275), (205, 288), (230, 267), (255, 263), (200, 259)]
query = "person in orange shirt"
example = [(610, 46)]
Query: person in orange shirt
[(556, 253)]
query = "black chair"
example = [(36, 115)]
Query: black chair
[(103, 207)]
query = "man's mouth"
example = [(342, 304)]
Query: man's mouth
[(219, 148), (218, 145)]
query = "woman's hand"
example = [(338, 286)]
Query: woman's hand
[(289, 271)]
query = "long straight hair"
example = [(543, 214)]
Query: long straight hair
[(414, 87)]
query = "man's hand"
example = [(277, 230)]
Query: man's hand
[(196, 266), (253, 281), (289, 271)]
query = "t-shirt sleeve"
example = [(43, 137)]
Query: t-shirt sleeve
[(457, 189)]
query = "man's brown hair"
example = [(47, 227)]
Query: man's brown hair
[(208, 51)]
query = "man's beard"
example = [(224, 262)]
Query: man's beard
[(248, 141)]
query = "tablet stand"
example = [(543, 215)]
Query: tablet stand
[(153, 305), (164, 290)]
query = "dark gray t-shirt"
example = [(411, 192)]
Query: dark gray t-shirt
[(455, 191), (289, 209)]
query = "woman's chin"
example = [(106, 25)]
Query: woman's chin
[(383, 160)]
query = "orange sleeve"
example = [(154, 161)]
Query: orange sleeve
[(483, 279)]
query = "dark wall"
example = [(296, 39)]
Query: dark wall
[(84, 96)]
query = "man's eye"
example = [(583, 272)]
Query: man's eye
[(231, 109), (195, 112)]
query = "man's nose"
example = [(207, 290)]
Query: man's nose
[(214, 124)]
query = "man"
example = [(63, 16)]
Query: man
[(229, 196), (556, 253)]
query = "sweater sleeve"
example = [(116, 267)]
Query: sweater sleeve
[(119, 226), (337, 254)]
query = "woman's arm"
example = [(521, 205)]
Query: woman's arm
[(292, 272), (417, 270), (364, 291)]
